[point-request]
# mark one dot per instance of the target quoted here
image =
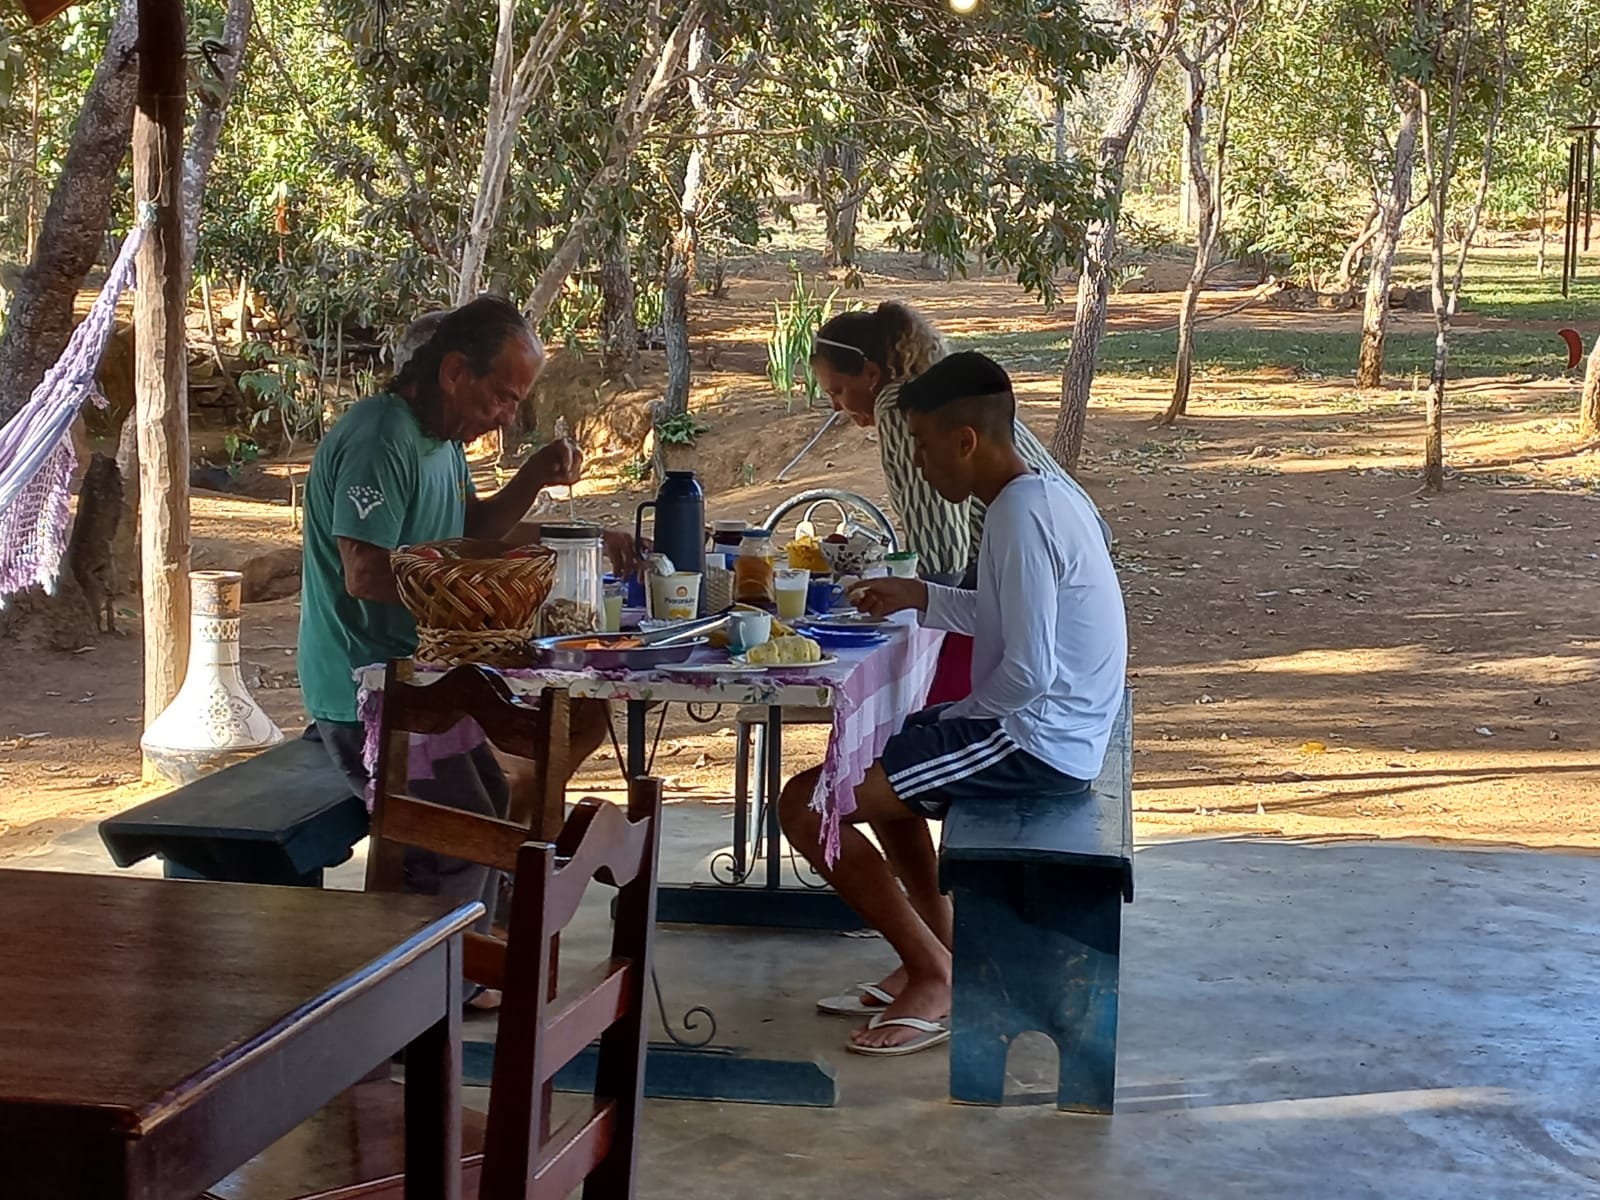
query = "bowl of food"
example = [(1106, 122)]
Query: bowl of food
[(854, 554), (610, 652)]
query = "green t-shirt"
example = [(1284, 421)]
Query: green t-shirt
[(377, 478)]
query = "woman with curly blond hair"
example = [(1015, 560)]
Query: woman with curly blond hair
[(861, 359)]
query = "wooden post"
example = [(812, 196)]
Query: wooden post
[(160, 356)]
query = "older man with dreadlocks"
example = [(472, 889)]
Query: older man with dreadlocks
[(392, 472)]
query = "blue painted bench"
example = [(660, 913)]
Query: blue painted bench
[(280, 817), (1038, 889)]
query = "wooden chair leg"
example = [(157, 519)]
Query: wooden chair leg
[(385, 858)]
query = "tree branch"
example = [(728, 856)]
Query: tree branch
[(645, 91), (211, 108)]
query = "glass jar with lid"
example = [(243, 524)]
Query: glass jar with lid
[(726, 536), (577, 598), (752, 570)]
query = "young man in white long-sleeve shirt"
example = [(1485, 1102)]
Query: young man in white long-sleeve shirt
[(1049, 656)]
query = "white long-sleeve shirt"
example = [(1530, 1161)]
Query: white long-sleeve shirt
[(1050, 638)]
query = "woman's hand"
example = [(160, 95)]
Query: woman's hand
[(624, 550), (880, 597)]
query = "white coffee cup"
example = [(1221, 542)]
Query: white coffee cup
[(747, 630)]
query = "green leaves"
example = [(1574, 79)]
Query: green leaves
[(680, 429), (794, 332)]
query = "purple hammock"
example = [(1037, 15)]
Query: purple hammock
[(36, 455)]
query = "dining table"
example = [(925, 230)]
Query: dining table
[(865, 692), (156, 1034)]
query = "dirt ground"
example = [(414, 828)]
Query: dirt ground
[(1317, 650)]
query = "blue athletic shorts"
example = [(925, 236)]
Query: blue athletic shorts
[(932, 762)]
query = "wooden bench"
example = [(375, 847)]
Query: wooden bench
[(1038, 888), (281, 817)]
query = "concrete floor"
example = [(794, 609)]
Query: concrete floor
[(1335, 1020)]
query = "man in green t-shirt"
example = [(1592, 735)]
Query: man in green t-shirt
[(392, 472)]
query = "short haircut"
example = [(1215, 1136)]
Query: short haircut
[(965, 389), (479, 330)]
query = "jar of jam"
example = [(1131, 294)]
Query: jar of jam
[(726, 536), (753, 570)]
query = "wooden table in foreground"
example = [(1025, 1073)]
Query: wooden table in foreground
[(155, 1034)]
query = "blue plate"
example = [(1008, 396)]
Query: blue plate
[(830, 638), (847, 621)]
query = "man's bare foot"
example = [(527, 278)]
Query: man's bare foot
[(925, 998)]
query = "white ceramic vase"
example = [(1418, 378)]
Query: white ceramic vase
[(213, 721)]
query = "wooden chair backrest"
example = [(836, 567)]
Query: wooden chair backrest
[(537, 730), (400, 820), (540, 1033)]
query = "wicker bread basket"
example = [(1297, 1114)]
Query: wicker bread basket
[(473, 604)]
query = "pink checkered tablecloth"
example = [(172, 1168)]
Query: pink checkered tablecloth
[(870, 691)]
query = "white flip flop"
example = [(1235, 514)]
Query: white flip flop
[(933, 1032), (851, 1005)]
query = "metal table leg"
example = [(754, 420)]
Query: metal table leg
[(636, 756), (774, 773), (771, 905)]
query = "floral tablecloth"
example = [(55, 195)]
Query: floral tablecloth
[(870, 691)]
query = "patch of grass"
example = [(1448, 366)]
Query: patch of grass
[(1505, 283), (1474, 352)]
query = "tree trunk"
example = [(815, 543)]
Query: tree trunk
[(619, 315), (1439, 173), (125, 543), (1439, 164), (1589, 411), (1194, 131), (841, 210), (73, 231), (494, 163), (1541, 263), (212, 106), (1392, 204), (1100, 243), (1207, 187), (675, 324), (931, 215), (32, 239), (160, 356), (1060, 127), (681, 250), (41, 317), (512, 90), (1433, 436), (652, 79)]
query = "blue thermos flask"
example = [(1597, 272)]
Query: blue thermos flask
[(680, 521)]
